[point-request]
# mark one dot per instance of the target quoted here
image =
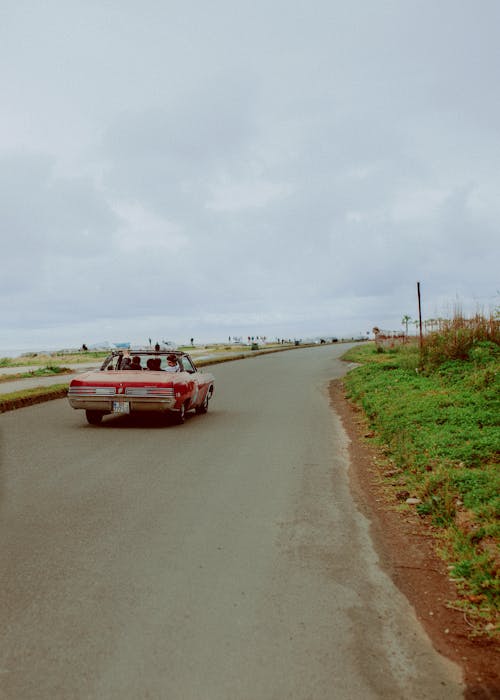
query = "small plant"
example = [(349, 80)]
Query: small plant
[(47, 371)]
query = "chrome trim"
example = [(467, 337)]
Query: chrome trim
[(142, 403), (149, 391), (85, 391)]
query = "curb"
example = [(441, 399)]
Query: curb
[(50, 394)]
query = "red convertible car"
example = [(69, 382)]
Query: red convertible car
[(142, 380)]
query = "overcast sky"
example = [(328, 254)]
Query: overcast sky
[(234, 167)]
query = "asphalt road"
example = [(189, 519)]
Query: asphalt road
[(223, 559)]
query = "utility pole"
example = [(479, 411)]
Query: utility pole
[(420, 316)]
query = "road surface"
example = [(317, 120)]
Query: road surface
[(223, 559)]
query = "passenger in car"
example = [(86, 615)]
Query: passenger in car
[(125, 363), (136, 363), (172, 364), (154, 364)]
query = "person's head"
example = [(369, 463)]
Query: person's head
[(172, 360)]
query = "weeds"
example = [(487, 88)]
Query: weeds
[(457, 337)]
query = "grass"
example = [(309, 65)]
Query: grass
[(437, 419), (41, 372), (456, 337)]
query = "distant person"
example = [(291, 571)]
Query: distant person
[(151, 364)]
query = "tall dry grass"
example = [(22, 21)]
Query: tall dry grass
[(454, 338)]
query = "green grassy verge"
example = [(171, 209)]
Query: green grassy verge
[(440, 426), (28, 397)]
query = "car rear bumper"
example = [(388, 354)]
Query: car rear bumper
[(113, 406)]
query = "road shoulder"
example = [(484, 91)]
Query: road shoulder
[(407, 550)]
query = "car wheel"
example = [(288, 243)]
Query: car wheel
[(180, 416), (94, 417), (203, 408)]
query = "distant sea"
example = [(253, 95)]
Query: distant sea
[(11, 352)]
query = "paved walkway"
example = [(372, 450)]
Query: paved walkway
[(77, 366), (34, 382)]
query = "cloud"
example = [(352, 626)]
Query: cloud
[(52, 230), (233, 197), (283, 165), (143, 231)]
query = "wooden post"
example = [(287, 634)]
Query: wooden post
[(420, 316)]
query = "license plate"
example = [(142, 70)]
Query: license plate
[(121, 407)]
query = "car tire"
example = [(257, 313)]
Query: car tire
[(94, 417), (203, 408), (180, 416)]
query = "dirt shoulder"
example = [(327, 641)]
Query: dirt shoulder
[(406, 545)]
